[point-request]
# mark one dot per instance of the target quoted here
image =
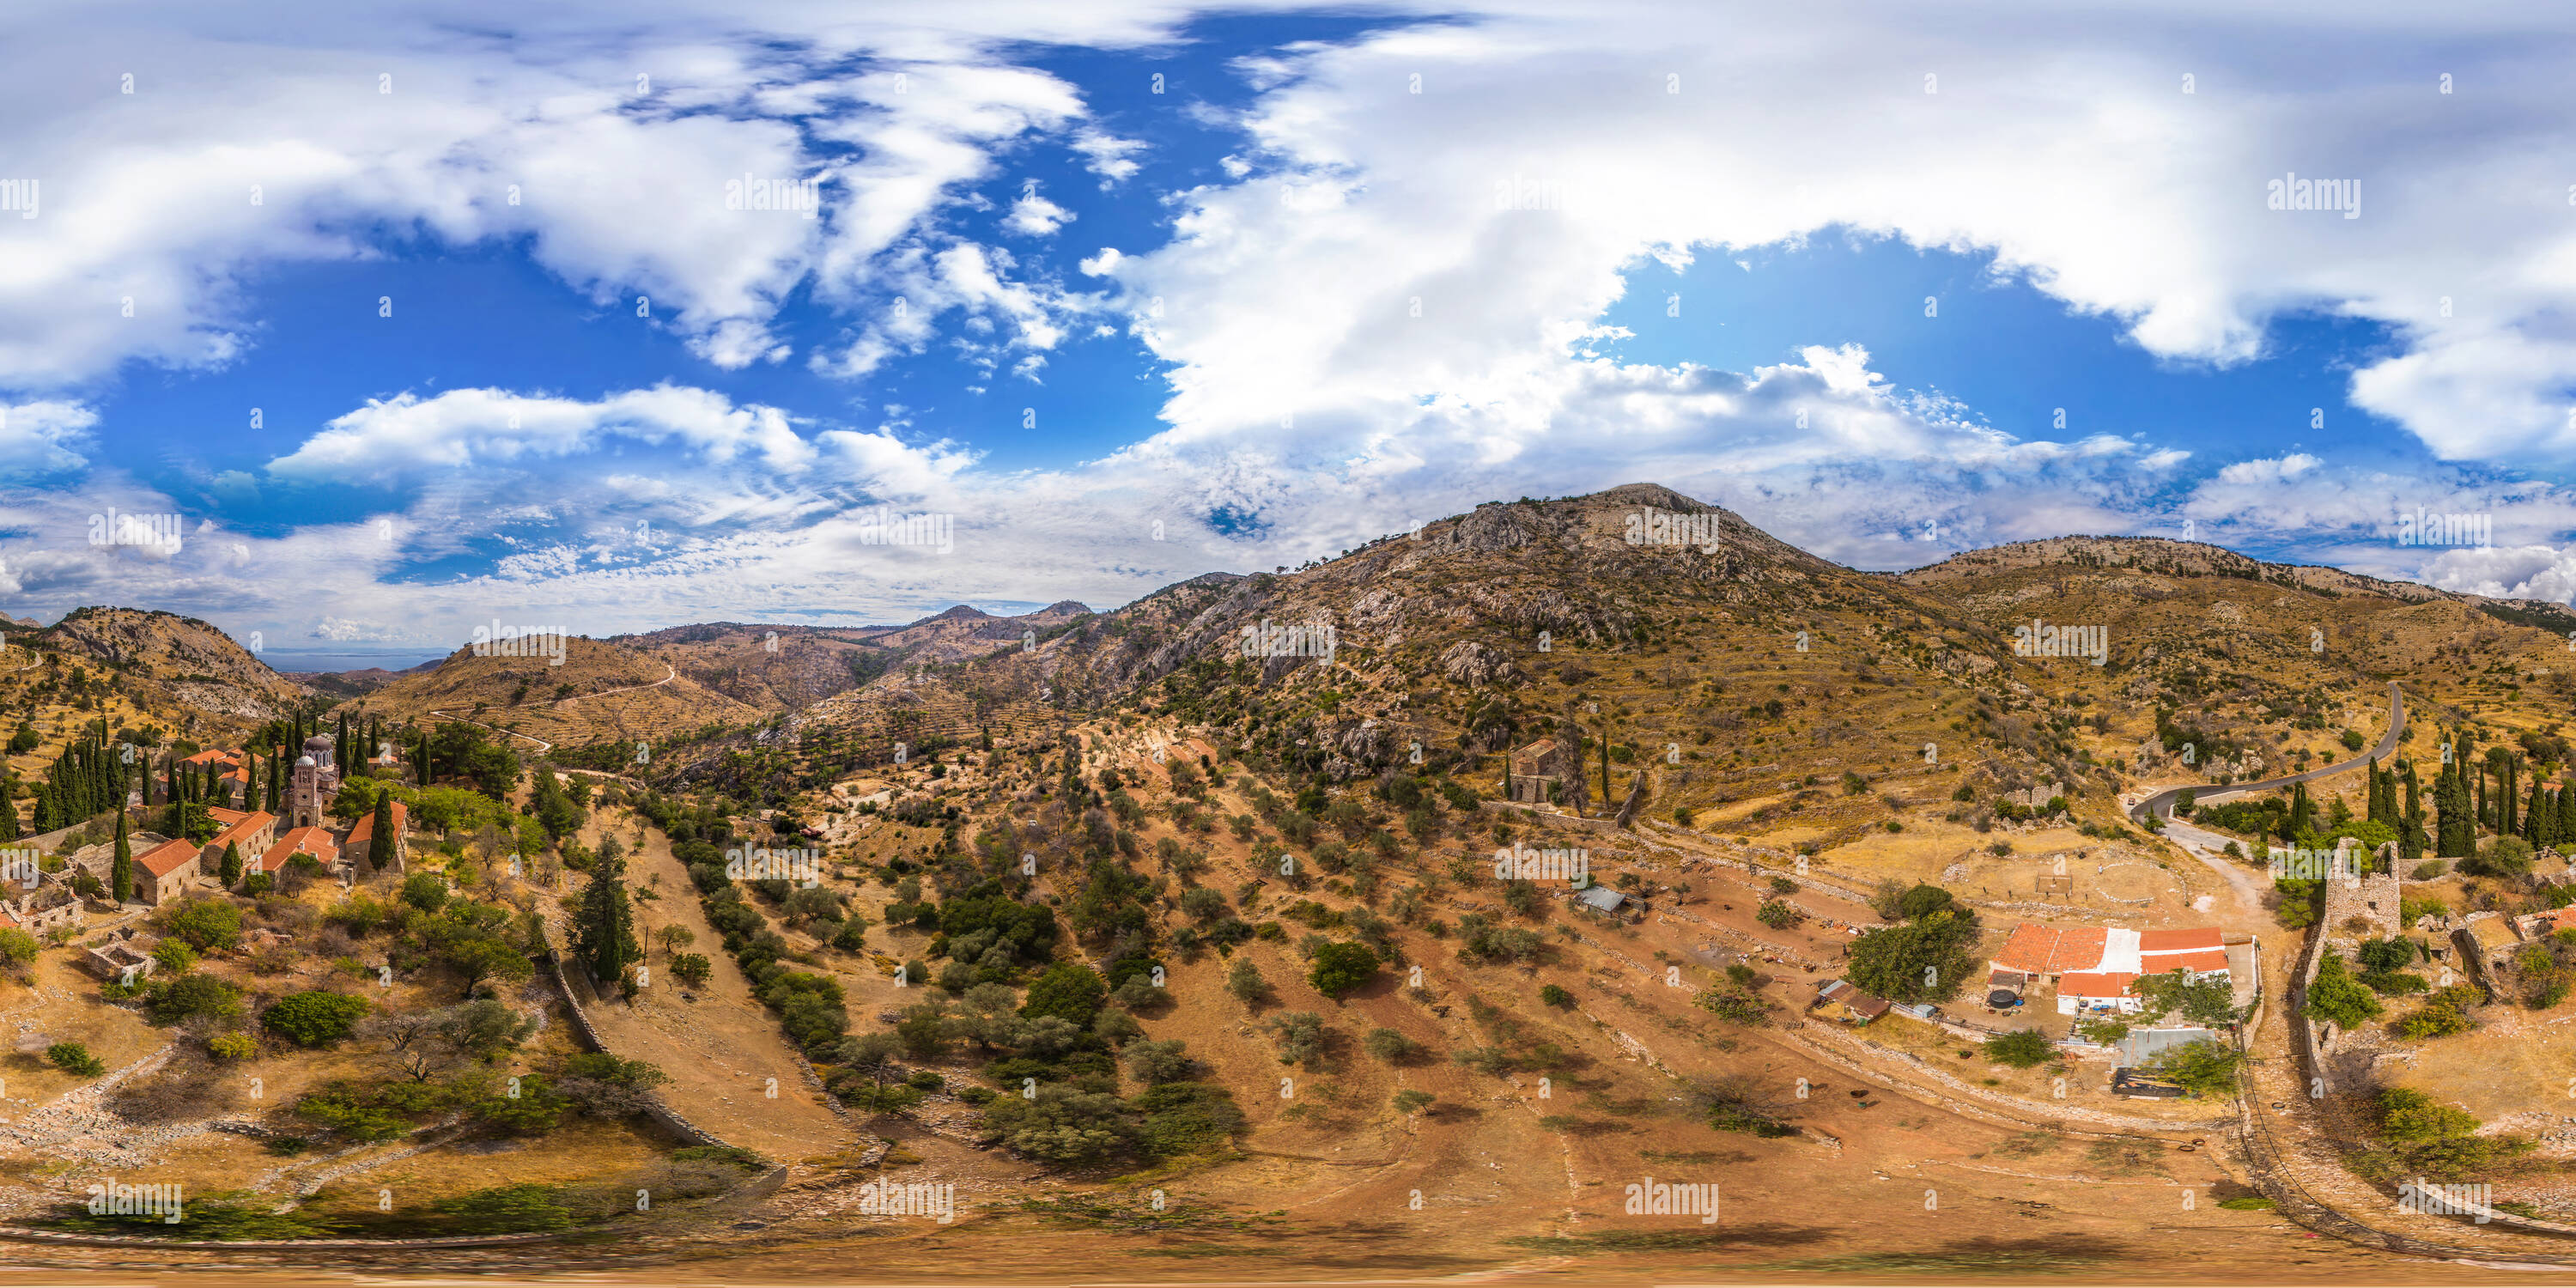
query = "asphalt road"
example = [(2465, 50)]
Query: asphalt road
[(2161, 804)]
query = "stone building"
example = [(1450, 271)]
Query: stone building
[(1545, 772), (2366, 905), (312, 787)]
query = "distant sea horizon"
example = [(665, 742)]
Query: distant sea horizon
[(288, 659)]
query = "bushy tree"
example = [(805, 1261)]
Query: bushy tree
[(2021, 1048), (1070, 991), (1340, 968), (1924, 960), (2206, 1069), (604, 924), (316, 1018), (207, 924), (1300, 1037), (1243, 979), (1164, 1061), (1391, 1046), (2337, 998), (1063, 1125)]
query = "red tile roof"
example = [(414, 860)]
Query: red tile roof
[(365, 831), (2542, 923), (223, 816), (2079, 949), (304, 840), (2114, 984), (2213, 959), (163, 859), (2177, 941), (2028, 949), (249, 825)]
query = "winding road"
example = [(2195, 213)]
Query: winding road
[(2161, 804), (2210, 848)]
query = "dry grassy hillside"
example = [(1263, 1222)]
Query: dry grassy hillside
[(601, 693)]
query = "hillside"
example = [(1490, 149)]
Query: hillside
[(195, 664), (1139, 908), (600, 693), (789, 668)]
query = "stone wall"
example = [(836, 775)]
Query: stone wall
[(663, 1115)]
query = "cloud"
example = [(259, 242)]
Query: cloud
[(1035, 216), (39, 438), (1108, 156), (463, 428), (342, 630), (601, 141)]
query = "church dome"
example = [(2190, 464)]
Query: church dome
[(302, 762)]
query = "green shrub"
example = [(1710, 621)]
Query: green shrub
[(1340, 968), (73, 1058), (2021, 1048), (315, 1018)]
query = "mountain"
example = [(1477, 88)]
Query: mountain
[(599, 692), (790, 668), (191, 663)]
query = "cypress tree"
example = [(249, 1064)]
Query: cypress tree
[(2504, 798), (120, 874), (380, 838), (8, 804), (2450, 805), (2410, 832), (604, 928), (232, 864), (2539, 822)]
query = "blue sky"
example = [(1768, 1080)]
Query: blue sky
[(1348, 269)]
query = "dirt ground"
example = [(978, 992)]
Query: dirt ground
[(720, 1046)]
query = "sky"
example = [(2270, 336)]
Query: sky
[(349, 332)]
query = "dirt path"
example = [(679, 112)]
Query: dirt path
[(2209, 847), (722, 1049)]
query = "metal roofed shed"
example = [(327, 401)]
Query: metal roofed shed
[(1601, 899), (1850, 1005), (2142, 1046)]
